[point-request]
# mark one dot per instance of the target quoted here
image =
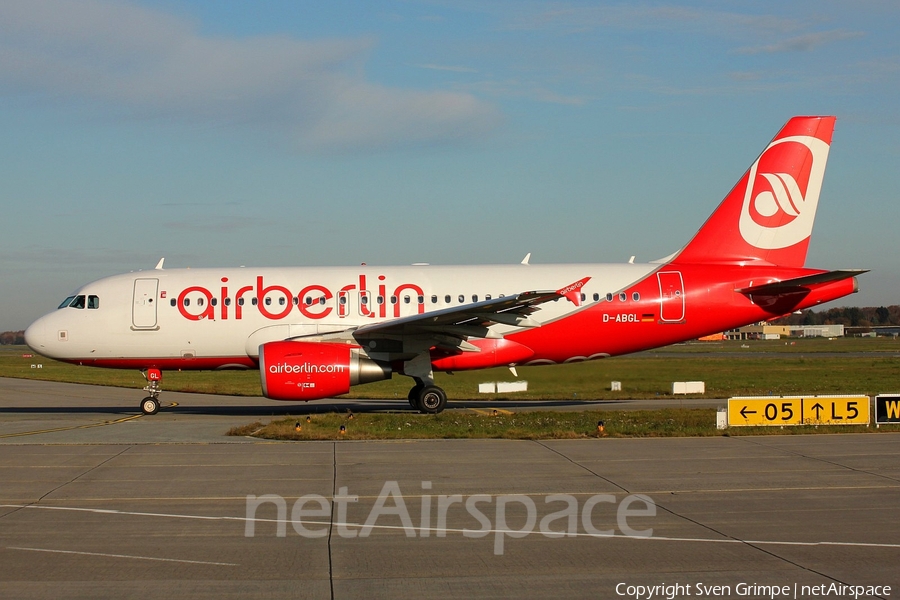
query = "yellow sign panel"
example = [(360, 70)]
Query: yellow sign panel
[(798, 410)]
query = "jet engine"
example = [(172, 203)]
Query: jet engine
[(311, 370)]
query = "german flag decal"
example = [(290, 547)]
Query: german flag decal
[(648, 318)]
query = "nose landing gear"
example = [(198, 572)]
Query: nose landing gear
[(150, 404)]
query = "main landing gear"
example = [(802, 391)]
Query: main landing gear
[(427, 398), (150, 404)]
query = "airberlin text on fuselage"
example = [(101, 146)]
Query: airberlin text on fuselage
[(224, 306)]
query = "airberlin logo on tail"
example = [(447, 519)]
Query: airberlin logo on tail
[(783, 192)]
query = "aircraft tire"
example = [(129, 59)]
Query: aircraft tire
[(414, 394), (149, 405), (432, 399)]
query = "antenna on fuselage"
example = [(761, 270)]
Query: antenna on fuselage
[(159, 265)]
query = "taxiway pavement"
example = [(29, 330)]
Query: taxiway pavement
[(106, 504)]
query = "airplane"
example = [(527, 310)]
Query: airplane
[(315, 332)]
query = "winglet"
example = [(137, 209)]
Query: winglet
[(526, 259), (159, 265), (572, 292)]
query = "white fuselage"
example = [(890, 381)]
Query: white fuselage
[(218, 317)]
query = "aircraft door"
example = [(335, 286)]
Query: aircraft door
[(671, 296), (143, 311)]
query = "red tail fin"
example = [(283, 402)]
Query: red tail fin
[(768, 216)]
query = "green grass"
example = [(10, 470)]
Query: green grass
[(815, 366), (858, 366), (536, 425)]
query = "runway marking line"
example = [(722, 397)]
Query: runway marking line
[(72, 427), (178, 560), (436, 530)]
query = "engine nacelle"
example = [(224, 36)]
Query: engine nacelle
[(312, 370)]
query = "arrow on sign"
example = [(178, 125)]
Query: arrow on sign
[(745, 412)]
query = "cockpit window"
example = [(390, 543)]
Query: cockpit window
[(78, 302), (67, 302), (93, 301)]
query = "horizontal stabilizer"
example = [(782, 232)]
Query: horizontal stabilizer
[(789, 286)]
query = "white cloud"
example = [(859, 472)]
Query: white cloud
[(642, 17), (454, 69), (802, 43), (120, 57)]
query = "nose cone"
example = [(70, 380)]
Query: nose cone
[(38, 336)]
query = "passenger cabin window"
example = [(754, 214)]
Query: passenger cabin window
[(434, 299), (635, 296), (596, 297), (462, 298), (406, 299), (609, 297), (623, 297), (173, 302), (487, 296), (447, 298), (474, 297)]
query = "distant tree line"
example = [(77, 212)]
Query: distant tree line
[(848, 316), (8, 338)]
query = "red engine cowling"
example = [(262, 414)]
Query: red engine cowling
[(312, 370)]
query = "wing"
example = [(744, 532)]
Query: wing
[(449, 328)]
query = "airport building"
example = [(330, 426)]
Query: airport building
[(817, 331), (763, 331)]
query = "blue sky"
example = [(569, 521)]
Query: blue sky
[(303, 133)]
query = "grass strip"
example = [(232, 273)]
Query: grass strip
[(764, 368), (533, 425)]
